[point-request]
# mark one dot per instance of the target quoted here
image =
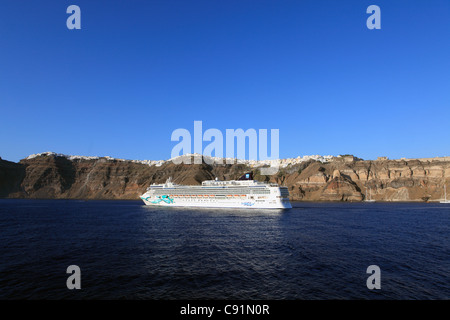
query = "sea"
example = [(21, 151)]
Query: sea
[(314, 251)]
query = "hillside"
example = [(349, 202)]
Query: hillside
[(54, 176)]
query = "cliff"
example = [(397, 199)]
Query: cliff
[(337, 179), (385, 180)]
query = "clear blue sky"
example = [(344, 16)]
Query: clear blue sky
[(137, 70)]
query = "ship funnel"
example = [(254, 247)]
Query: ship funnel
[(247, 176)]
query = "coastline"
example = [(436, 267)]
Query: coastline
[(292, 201), (309, 179)]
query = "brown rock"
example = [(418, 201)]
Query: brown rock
[(51, 176)]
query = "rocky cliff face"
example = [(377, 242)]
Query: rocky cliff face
[(388, 180), (57, 177)]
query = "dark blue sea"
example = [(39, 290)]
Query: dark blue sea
[(315, 251)]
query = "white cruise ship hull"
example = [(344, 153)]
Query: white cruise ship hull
[(203, 203)]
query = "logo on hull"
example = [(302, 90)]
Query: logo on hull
[(164, 198), (248, 203)]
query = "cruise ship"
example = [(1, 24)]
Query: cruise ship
[(242, 193)]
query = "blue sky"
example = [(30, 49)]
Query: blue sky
[(138, 70)]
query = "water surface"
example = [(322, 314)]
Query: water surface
[(126, 250)]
